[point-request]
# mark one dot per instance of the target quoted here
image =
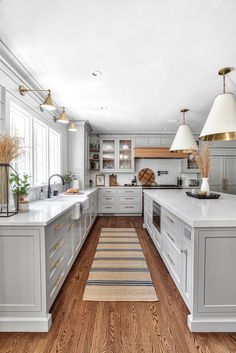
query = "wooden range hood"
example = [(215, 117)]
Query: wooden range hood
[(156, 152)]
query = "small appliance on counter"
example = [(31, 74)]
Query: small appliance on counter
[(179, 181), (134, 181), (193, 182)]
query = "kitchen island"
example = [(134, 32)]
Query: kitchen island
[(197, 242), (37, 251)]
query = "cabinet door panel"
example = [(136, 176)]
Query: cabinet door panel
[(217, 169), (217, 290), (20, 270), (230, 170)]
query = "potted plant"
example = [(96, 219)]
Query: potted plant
[(68, 178), (20, 187)]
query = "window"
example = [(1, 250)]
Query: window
[(41, 146), (40, 153), (20, 126), (54, 152)]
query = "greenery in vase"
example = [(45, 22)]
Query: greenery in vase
[(20, 186), (68, 177)]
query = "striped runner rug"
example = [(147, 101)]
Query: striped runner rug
[(119, 271)]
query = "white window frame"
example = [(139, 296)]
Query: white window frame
[(34, 119), (58, 153)]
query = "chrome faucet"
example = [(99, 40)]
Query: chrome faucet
[(49, 187)]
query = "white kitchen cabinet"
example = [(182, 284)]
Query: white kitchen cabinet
[(223, 174), (120, 200), (69, 245), (77, 235), (174, 244), (20, 270), (117, 154), (78, 154), (187, 266)]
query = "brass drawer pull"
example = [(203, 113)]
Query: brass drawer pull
[(170, 236), (129, 198), (57, 263), (70, 226), (58, 226), (57, 245), (170, 259), (170, 219), (184, 251), (58, 280)]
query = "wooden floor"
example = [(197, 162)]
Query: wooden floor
[(118, 327)]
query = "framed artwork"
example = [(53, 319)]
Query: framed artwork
[(100, 180)]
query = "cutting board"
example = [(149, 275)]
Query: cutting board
[(146, 176)]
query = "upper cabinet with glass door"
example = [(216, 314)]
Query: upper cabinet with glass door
[(125, 154), (108, 155), (117, 155)]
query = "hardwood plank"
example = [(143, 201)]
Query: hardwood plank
[(118, 327)]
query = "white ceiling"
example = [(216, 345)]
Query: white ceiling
[(155, 56)]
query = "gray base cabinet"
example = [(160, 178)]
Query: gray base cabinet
[(35, 262), (202, 264), (123, 200)]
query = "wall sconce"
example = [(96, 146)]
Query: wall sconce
[(63, 118), (72, 126), (47, 104)]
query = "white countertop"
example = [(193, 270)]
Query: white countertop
[(197, 212), (43, 212)]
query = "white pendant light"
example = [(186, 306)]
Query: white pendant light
[(221, 121), (184, 141)]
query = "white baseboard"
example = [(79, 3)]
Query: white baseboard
[(212, 324), (25, 324)]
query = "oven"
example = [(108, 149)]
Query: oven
[(156, 216)]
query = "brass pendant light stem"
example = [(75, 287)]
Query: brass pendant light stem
[(224, 84), (222, 72), (184, 110)]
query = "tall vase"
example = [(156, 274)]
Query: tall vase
[(205, 186)]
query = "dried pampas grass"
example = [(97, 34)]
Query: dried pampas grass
[(9, 148), (203, 160)]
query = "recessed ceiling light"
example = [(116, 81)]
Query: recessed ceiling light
[(97, 73), (164, 128), (173, 120), (104, 107)]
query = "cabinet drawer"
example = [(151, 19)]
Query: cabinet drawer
[(171, 219), (129, 199), (108, 199), (170, 232), (54, 265), (172, 257), (129, 192), (148, 204), (55, 247), (148, 223), (56, 284), (54, 228), (108, 191), (108, 208), (129, 208)]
